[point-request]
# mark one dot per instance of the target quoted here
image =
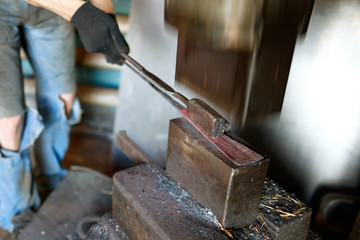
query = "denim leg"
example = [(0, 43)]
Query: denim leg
[(18, 190), (12, 100), (17, 187), (51, 146), (51, 49)]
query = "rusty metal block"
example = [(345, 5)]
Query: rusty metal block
[(284, 216), (149, 205), (227, 178)]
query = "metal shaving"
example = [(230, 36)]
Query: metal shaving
[(280, 205), (106, 229), (253, 231)]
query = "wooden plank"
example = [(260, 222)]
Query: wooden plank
[(97, 95), (91, 148), (132, 150)]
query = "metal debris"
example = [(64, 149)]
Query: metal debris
[(253, 231), (106, 229), (279, 205)]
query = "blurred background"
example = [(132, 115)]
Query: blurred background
[(285, 73), (314, 140)]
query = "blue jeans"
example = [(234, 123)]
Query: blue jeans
[(48, 41), (17, 188)]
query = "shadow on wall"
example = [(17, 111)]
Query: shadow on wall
[(315, 143), (314, 170)]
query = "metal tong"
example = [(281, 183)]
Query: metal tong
[(200, 113)]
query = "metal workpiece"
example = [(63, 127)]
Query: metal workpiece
[(223, 175), (148, 204), (196, 110), (211, 122)]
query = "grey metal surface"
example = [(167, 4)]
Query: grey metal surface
[(142, 112), (83, 192), (148, 204), (227, 178), (322, 99)]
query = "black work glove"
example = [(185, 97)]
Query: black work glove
[(100, 33)]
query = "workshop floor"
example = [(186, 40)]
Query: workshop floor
[(91, 141), (90, 146)]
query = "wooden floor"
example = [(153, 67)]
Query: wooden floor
[(91, 141), (89, 150)]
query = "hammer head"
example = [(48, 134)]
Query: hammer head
[(205, 117)]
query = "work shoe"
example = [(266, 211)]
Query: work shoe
[(21, 220)]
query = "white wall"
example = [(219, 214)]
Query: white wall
[(141, 111), (316, 142)]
